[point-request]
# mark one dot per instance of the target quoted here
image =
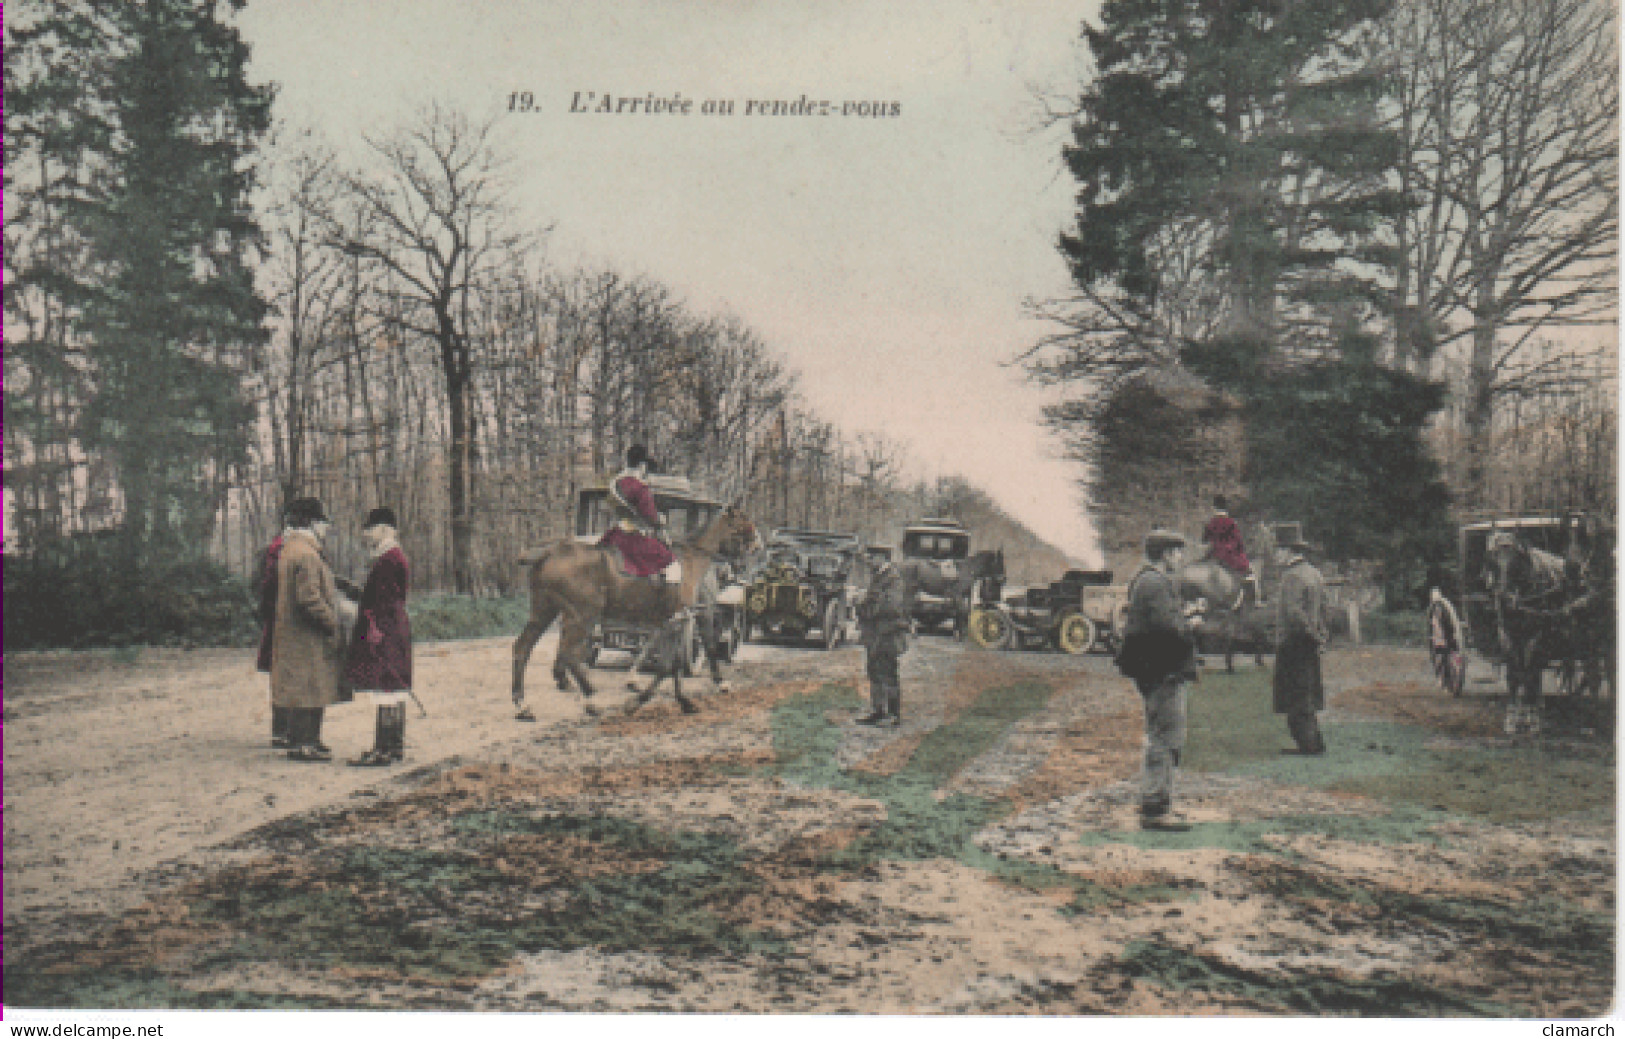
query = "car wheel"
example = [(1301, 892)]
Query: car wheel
[(1075, 633)]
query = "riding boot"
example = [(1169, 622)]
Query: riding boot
[(397, 734), (379, 754), (279, 726), (877, 705), (316, 714)]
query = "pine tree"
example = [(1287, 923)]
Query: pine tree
[(164, 302), (1249, 127), (1230, 159)]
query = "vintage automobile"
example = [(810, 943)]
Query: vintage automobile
[(943, 544), (1079, 613), (807, 582), (687, 512)]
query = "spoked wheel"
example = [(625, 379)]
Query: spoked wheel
[(1076, 633), (1447, 645), (989, 628)]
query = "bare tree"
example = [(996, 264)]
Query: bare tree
[(1510, 117), (438, 222)]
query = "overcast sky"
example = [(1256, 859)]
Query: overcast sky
[(884, 259)]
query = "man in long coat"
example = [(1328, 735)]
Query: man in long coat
[(380, 656), (1298, 691), (883, 623), (1159, 653), (307, 639)]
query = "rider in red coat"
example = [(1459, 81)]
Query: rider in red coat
[(638, 534), (1223, 537)]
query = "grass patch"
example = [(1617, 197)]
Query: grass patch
[(1405, 825), (439, 617), (141, 990), (1306, 992), (1548, 925), (920, 823), (1233, 729)]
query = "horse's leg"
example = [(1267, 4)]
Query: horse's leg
[(1230, 642), (573, 641), (540, 618)]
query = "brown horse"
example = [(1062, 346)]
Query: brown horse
[(1228, 599), (585, 583)]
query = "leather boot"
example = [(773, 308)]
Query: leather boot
[(397, 733), (877, 706), (279, 727), (379, 754)]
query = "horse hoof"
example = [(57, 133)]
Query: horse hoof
[(688, 707), (525, 715), (590, 709), (724, 688)]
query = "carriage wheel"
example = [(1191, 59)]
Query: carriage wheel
[(989, 628), (691, 649), (1447, 646), (1076, 633)]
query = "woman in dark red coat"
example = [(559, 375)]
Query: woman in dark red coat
[(380, 661)]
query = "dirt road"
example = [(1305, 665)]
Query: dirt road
[(767, 854)]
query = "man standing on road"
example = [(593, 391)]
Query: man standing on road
[(1159, 653), (307, 640), (883, 628), (1297, 690)]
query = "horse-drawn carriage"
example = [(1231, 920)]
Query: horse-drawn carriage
[(1535, 593), (808, 583), (687, 511), (1081, 612)]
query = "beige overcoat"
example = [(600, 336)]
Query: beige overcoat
[(306, 647)]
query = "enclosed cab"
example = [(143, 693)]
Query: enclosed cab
[(945, 545)]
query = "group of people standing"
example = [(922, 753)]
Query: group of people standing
[(1159, 653), (324, 639)]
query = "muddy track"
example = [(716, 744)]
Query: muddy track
[(767, 854)]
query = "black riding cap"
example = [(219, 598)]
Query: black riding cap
[(637, 455), (384, 515)]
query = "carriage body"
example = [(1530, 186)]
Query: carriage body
[(807, 583), (1477, 605), (943, 544), (687, 511)]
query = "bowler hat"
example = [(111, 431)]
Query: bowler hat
[(383, 514), (302, 512), (637, 455)]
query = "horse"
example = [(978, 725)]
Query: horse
[(980, 575), (1526, 585), (1228, 597), (585, 583)]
